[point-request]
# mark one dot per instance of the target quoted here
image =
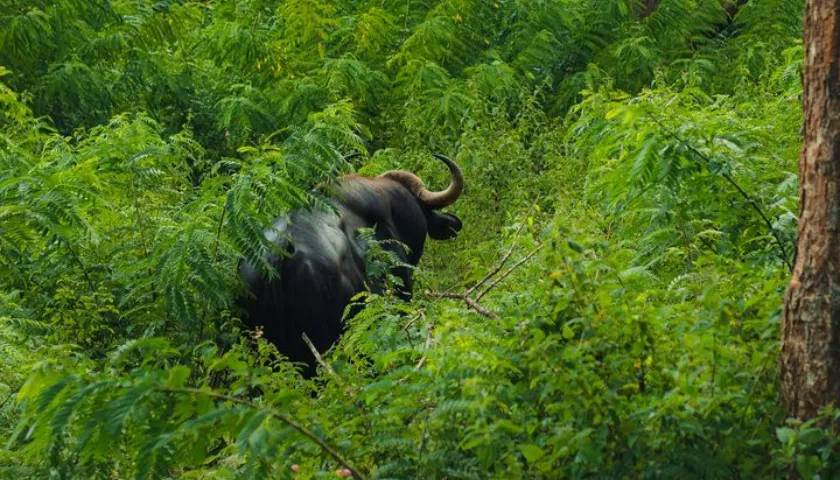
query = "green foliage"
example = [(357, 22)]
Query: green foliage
[(709, 171), (647, 160), (82, 418), (808, 447)]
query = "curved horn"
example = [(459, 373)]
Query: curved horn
[(427, 197)]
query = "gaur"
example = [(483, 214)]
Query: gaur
[(324, 263)]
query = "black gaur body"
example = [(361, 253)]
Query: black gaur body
[(325, 263)]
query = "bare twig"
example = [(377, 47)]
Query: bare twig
[(326, 447), (467, 296), (409, 323), (499, 265), (466, 299), (478, 308), (348, 389), (509, 271), (326, 366), (426, 346)]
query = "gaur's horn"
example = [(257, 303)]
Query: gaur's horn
[(429, 198)]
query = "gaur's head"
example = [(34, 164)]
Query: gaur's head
[(442, 226)]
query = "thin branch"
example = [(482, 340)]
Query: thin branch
[(509, 271), (349, 390), (494, 271), (499, 265), (279, 416), (753, 203), (478, 308), (326, 366), (420, 314), (426, 346), (467, 296), (707, 243), (466, 299), (78, 260), (407, 12), (413, 319)]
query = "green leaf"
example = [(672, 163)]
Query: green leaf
[(531, 452), (568, 331), (177, 376), (785, 434)]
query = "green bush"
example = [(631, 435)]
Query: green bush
[(628, 221)]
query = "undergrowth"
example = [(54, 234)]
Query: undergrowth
[(631, 177)]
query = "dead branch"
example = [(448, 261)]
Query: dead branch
[(413, 319), (466, 299), (467, 296), (426, 346), (349, 390), (417, 316), (500, 264), (326, 366), (509, 271), (492, 276)]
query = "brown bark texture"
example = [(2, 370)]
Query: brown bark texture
[(810, 359)]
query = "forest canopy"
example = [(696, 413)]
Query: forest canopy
[(629, 225)]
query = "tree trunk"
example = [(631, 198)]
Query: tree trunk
[(810, 360)]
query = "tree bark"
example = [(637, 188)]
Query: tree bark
[(810, 360)]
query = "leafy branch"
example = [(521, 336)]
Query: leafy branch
[(783, 255), (282, 417)]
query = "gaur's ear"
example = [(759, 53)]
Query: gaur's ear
[(443, 226)]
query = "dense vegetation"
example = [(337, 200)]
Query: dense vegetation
[(634, 163)]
